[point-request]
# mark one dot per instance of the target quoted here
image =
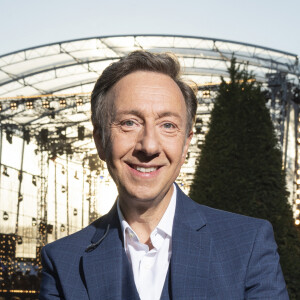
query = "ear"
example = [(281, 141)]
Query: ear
[(98, 142), (186, 145)]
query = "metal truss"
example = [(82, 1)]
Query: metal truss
[(48, 87), (75, 65)]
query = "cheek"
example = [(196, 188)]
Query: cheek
[(174, 150), (121, 144)]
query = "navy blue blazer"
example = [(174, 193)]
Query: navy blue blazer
[(215, 255)]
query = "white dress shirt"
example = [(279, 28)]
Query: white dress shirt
[(150, 267)]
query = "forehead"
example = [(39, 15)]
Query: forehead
[(143, 89)]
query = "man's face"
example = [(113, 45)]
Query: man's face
[(148, 140)]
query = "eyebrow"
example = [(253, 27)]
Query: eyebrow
[(139, 114)]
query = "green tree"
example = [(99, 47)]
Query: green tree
[(240, 167)]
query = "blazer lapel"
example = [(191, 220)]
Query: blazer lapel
[(191, 248), (102, 264)]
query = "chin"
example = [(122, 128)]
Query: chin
[(147, 194)]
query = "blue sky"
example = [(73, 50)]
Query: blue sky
[(29, 23)]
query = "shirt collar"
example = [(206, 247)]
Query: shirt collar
[(165, 224)]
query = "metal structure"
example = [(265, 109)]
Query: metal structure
[(45, 96)]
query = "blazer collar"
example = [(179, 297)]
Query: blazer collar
[(191, 250), (188, 212), (103, 259)]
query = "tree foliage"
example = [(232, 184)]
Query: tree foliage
[(240, 167)]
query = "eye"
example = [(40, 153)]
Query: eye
[(168, 126), (128, 123)]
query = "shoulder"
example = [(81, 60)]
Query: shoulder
[(75, 243), (224, 225)]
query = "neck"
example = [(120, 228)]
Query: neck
[(143, 217)]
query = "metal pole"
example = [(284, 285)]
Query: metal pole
[(90, 194), (20, 186), (67, 188), (55, 198), (82, 205), (1, 133)]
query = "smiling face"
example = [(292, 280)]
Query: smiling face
[(148, 139)]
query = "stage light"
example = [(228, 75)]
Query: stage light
[(62, 227), (297, 222), (75, 212), (45, 104), (88, 180), (29, 105), (33, 222), (13, 105), (5, 172), (297, 201), (26, 136), (63, 189), (5, 216), (34, 180), (206, 94), (61, 132), (44, 135), (298, 172), (20, 198), (19, 240), (298, 181), (9, 136), (62, 102), (42, 228), (79, 102), (49, 228), (80, 131)]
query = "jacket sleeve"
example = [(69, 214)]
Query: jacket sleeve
[(264, 279), (50, 286)]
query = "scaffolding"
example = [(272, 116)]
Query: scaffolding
[(45, 102)]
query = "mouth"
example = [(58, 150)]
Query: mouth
[(144, 169)]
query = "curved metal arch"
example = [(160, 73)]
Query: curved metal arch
[(154, 35), (215, 51), (54, 68), (188, 71)]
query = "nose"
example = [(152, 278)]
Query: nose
[(148, 141)]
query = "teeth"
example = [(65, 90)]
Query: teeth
[(145, 170)]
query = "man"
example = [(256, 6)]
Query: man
[(156, 243)]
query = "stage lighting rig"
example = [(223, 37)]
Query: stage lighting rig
[(29, 104), (5, 173), (46, 103), (5, 216), (13, 105), (9, 135), (34, 222), (79, 101), (62, 102)]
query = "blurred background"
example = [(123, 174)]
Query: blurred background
[(52, 183)]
